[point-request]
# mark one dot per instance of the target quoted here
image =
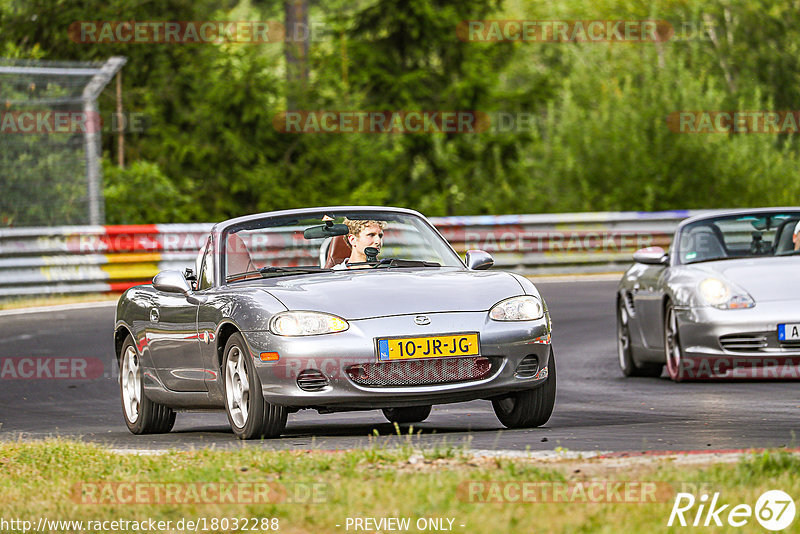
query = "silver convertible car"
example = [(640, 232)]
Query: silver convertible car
[(723, 303), (334, 309)]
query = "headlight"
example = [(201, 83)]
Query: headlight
[(525, 308), (722, 295), (306, 323)]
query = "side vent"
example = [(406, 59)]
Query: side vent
[(312, 380), (528, 367)]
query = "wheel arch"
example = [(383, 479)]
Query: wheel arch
[(120, 335), (226, 330)]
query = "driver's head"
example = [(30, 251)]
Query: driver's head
[(363, 234), (796, 236)]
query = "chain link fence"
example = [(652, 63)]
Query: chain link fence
[(50, 129)]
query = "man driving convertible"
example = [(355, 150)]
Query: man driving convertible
[(362, 234)]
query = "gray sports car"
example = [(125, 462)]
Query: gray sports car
[(335, 309), (723, 303)]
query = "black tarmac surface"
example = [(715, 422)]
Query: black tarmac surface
[(596, 408)]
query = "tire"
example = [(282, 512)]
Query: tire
[(250, 416), (142, 416), (531, 408), (627, 363), (411, 414), (672, 346)]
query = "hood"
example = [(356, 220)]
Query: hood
[(362, 295), (764, 279)]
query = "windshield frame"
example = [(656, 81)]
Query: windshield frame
[(279, 218), (711, 219)]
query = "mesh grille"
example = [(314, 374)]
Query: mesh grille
[(420, 372)]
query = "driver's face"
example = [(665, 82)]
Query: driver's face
[(796, 241), (370, 236)]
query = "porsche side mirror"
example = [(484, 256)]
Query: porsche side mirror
[(174, 282), (478, 260), (651, 256)]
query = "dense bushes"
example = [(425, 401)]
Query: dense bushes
[(599, 140)]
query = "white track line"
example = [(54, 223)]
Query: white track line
[(59, 308)]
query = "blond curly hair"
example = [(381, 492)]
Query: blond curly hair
[(356, 226)]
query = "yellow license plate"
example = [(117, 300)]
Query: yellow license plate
[(443, 346)]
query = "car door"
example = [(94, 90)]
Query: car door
[(173, 342), (648, 299)]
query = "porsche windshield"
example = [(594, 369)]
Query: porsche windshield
[(325, 241), (740, 236)]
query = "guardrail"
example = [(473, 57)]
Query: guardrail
[(89, 259)]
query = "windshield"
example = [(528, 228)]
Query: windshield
[(740, 236), (324, 242)]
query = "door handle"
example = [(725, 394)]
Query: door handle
[(153, 315)]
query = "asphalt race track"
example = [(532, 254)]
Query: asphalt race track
[(596, 408)]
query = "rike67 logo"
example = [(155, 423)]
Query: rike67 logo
[(774, 510)]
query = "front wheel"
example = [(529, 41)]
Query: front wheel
[(531, 408), (142, 416), (676, 363), (410, 414), (249, 414)]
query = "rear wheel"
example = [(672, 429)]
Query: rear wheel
[(410, 414), (249, 414), (142, 416), (529, 408), (627, 363), (676, 365)]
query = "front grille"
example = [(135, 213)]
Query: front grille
[(311, 380), (420, 372), (743, 342), (528, 367)]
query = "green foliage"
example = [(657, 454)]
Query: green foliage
[(599, 138), (142, 192)]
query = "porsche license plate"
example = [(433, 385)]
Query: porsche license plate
[(442, 346), (789, 332)]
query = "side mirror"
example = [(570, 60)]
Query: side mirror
[(651, 256), (174, 282), (478, 260)]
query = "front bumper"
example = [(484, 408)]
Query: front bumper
[(506, 344), (731, 342)]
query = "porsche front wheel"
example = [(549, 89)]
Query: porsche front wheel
[(676, 364), (142, 415), (249, 414)]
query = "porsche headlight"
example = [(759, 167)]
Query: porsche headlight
[(306, 323), (524, 308), (722, 295)]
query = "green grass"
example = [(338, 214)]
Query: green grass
[(39, 479)]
